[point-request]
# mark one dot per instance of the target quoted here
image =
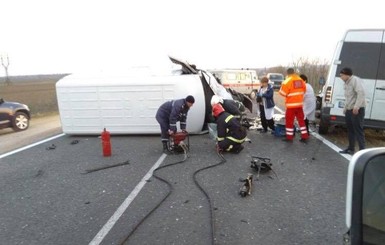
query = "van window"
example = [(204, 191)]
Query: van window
[(363, 58), (381, 68), (276, 77), (231, 76)]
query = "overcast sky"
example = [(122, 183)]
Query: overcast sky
[(57, 36)]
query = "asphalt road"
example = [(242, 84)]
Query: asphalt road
[(39, 129), (47, 199)]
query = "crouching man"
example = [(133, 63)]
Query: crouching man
[(231, 134), (171, 112)]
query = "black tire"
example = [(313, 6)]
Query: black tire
[(323, 127), (20, 121)]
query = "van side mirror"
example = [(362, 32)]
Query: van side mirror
[(365, 197)]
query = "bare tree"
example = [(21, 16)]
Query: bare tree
[(5, 64), (313, 69)]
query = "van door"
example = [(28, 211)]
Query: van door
[(361, 51), (378, 112)]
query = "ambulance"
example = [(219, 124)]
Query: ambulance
[(243, 81)]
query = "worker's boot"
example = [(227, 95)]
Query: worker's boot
[(165, 147)]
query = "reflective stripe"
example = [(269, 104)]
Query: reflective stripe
[(236, 140), (172, 124), (289, 129), (281, 92), (229, 148), (295, 94), (228, 118), (220, 139), (182, 123), (289, 133), (294, 104)]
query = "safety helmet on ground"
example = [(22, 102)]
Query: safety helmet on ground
[(217, 110), (216, 99)]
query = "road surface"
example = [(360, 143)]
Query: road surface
[(39, 129)]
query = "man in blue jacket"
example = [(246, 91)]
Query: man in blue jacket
[(171, 112)]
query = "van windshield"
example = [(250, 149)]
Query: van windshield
[(276, 77)]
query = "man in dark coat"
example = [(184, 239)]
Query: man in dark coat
[(230, 133), (169, 113)]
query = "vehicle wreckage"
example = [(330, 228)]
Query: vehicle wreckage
[(128, 104)]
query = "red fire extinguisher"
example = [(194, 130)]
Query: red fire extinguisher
[(106, 143)]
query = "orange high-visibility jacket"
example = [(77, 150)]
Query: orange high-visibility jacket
[(293, 89)]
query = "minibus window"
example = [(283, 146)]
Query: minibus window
[(363, 58)]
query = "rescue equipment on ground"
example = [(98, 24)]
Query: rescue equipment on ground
[(261, 165), (246, 188), (179, 142), (106, 143)]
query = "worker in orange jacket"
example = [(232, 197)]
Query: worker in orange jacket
[(293, 89)]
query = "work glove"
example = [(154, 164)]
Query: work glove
[(170, 132), (184, 131)]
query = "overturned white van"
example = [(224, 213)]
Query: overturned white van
[(363, 50), (128, 104)]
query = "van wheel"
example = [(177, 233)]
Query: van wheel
[(20, 121), (323, 127), (253, 94)]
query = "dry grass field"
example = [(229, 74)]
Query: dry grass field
[(38, 92)]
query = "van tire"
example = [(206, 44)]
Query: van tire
[(323, 127)]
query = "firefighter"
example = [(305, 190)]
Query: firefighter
[(171, 112), (230, 133), (231, 106), (293, 89)]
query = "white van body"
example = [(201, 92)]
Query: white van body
[(128, 104), (242, 81), (363, 50)]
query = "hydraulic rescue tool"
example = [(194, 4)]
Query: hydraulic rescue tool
[(246, 188), (179, 142), (261, 165)]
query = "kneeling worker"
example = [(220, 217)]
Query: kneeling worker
[(171, 112), (230, 133)]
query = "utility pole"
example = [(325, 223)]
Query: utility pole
[(5, 64)]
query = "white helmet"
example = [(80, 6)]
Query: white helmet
[(216, 99)]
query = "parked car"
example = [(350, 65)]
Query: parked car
[(14, 115), (275, 79)]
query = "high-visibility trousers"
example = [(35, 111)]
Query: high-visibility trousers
[(290, 115)]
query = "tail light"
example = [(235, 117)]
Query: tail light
[(328, 94)]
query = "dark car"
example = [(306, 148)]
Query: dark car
[(14, 115)]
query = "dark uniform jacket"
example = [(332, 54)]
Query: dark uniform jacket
[(231, 107), (174, 111), (229, 127)]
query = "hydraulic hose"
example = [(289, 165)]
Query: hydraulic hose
[(170, 190), (211, 210)]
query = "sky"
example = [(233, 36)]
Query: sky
[(83, 36)]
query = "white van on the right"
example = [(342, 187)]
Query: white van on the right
[(363, 50)]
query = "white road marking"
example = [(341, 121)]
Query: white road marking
[(279, 110), (30, 146), (119, 212), (331, 145)]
